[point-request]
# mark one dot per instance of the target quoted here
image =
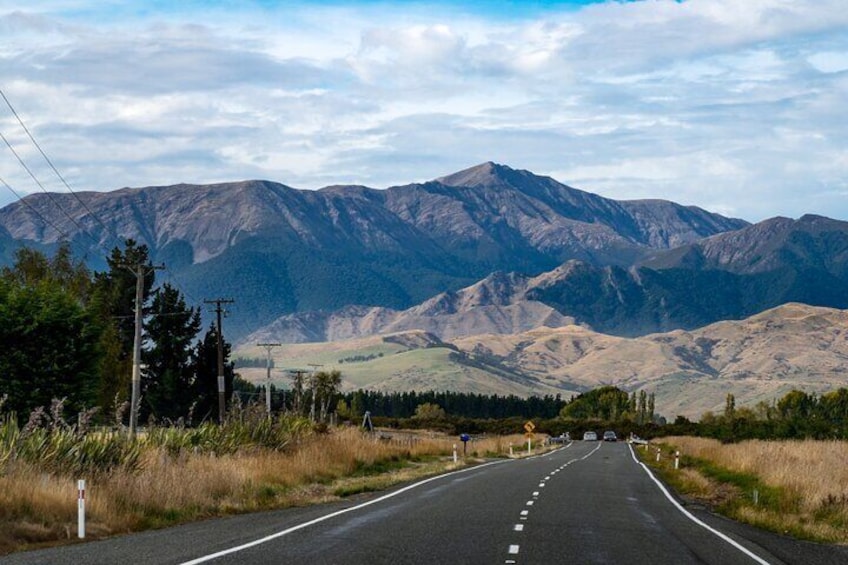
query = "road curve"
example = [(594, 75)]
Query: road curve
[(587, 503)]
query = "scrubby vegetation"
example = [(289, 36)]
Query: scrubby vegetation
[(795, 487)]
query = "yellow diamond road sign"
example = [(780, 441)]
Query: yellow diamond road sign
[(529, 427)]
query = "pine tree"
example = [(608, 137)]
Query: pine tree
[(168, 377), (113, 302), (206, 376)]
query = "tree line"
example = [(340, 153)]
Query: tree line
[(462, 404), (796, 415), (68, 334)]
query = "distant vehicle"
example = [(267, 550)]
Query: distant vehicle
[(610, 436), (590, 436), (637, 440), (563, 438)]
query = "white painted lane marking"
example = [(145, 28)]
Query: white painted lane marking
[(287, 531), (513, 550), (525, 512), (535, 493), (689, 515), (529, 503), (510, 561), (541, 485), (519, 527)]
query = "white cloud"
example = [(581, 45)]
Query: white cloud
[(725, 104)]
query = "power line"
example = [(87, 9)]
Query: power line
[(55, 170), (108, 232), (34, 209), (49, 195)]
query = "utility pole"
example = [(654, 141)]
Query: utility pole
[(140, 271), (312, 384), (222, 401), (268, 347)]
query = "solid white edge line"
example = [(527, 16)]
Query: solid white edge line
[(282, 533), (692, 517)]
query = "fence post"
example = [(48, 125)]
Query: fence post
[(81, 508)]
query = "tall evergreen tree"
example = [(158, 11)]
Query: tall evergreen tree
[(168, 378), (206, 375), (113, 301)]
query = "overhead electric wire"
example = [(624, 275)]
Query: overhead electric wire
[(55, 170), (34, 209), (49, 195), (171, 275)]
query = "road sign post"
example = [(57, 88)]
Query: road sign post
[(529, 426), (464, 438)]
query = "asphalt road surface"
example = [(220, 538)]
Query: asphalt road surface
[(588, 502)]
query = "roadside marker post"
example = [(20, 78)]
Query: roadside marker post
[(81, 508), (658, 454), (454, 453), (676, 460)]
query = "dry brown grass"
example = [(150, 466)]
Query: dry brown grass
[(810, 476), (37, 509)]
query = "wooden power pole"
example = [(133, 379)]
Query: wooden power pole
[(140, 271), (222, 400)]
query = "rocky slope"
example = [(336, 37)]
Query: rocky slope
[(727, 276)]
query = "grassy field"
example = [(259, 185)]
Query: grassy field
[(174, 476), (801, 486)]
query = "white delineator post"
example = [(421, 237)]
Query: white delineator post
[(676, 460), (81, 508), (454, 453), (529, 446)]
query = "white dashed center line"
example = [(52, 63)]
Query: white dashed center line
[(513, 550), (529, 503), (519, 527)]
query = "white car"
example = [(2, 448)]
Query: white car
[(590, 436)]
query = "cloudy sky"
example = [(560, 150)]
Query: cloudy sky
[(735, 106)]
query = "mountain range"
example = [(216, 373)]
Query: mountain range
[(278, 250), (490, 279)]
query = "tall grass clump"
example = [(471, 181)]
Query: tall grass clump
[(52, 445), (248, 428), (802, 485)]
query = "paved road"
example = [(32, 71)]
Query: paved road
[(586, 503)]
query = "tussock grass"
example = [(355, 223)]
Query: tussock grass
[(174, 475), (802, 484)]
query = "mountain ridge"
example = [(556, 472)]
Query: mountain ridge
[(284, 250)]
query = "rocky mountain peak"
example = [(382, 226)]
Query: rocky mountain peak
[(484, 174)]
